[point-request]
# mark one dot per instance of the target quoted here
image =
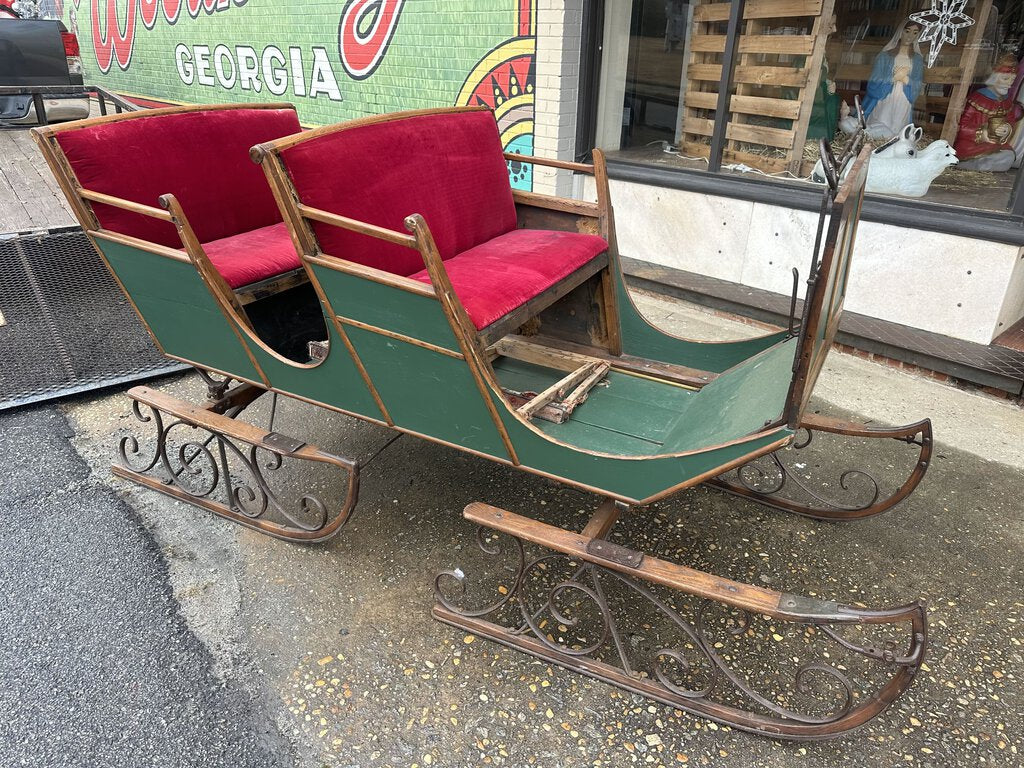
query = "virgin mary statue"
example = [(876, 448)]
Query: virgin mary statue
[(895, 83)]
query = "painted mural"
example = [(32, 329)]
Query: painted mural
[(334, 60), (505, 80)]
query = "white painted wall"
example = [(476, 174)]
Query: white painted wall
[(1013, 305), (559, 36), (612, 81), (951, 285)]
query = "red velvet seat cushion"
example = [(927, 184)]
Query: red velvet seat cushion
[(504, 273), (448, 167), (253, 256), (201, 157)]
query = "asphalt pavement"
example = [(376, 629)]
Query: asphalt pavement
[(97, 665), (139, 631)]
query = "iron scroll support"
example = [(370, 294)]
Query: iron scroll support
[(771, 663), (781, 481), (204, 456)]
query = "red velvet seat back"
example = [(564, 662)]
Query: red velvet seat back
[(201, 157), (447, 166)]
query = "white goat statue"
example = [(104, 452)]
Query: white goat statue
[(898, 167), (903, 144), (909, 176)]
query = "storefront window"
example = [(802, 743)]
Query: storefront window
[(799, 67)]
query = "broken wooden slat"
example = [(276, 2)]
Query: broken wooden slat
[(558, 389), (552, 412), (579, 394)]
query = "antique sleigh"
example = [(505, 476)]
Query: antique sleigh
[(385, 269)]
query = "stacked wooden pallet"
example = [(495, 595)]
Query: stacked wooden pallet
[(780, 51)]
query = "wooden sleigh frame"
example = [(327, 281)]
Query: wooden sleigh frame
[(581, 329)]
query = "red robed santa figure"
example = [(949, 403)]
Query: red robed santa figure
[(990, 120)]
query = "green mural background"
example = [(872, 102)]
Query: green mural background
[(438, 53)]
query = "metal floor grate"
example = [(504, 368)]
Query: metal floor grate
[(66, 327)]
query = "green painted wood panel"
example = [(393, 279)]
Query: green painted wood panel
[(634, 479), (625, 414), (428, 392), (636, 416), (420, 317), (641, 339), (737, 403), (179, 309), (335, 381)]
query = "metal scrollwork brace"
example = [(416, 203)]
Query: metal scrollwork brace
[(774, 478), (230, 474), (705, 669)]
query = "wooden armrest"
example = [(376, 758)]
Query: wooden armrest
[(565, 164), (354, 225), (555, 203), (128, 205)]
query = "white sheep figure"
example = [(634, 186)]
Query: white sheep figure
[(910, 176), (941, 145), (903, 144)]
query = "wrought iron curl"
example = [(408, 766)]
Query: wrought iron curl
[(129, 445), (687, 666), (800, 681), (752, 475), (550, 605), (457, 578), (255, 502), (195, 469), (805, 441), (186, 464), (700, 665), (744, 687)]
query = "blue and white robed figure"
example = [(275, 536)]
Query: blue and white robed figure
[(895, 83)]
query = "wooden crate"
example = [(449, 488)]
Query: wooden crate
[(780, 52)]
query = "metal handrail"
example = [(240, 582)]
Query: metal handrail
[(37, 92)]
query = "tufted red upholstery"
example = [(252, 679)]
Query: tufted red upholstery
[(201, 157), (253, 256), (447, 167), (504, 273)]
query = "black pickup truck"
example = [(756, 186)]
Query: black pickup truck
[(34, 53)]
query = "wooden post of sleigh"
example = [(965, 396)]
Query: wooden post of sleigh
[(443, 304)]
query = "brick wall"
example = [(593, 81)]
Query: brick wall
[(348, 58)]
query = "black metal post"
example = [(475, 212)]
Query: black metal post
[(1016, 202), (591, 51), (37, 101), (732, 38)]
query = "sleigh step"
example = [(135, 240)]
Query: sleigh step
[(784, 481), (226, 466), (753, 658)]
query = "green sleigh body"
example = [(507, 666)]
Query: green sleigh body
[(429, 391), (569, 382)]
